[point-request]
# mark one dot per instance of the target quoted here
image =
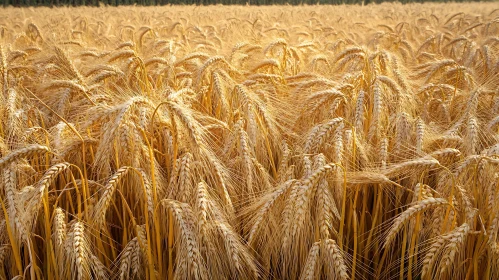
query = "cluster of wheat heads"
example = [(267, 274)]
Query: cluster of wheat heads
[(250, 143)]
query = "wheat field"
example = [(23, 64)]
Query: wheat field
[(310, 142)]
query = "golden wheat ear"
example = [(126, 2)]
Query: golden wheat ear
[(281, 142)]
